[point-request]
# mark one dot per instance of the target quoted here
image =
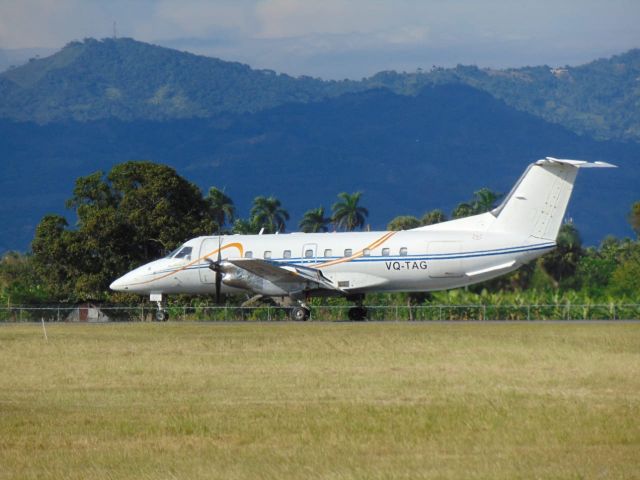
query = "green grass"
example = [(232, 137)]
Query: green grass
[(320, 400)]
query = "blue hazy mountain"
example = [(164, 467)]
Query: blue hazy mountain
[(131, 80), (407, 153)]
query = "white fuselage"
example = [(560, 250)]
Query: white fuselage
[(356, 262)]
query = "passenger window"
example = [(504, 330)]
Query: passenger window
[(328, 252), (308, 253), (403, 251), (366, 252), (286, 254), (385, 252), (184, 253), (267, 254), (347, 252), (248, 254)]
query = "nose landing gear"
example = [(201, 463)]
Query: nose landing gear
[(162, 315)]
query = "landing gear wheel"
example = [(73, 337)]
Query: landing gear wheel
[(162, 316), (299, 314), (357, 314)]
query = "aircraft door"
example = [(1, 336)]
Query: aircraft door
[(209, 246), (444, 260)]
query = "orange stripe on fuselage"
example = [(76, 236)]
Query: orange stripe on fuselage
[(359, 253)]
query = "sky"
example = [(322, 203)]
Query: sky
[(336, 39)]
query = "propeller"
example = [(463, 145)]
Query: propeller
[(217, 269)]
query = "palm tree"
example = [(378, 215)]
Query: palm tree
[(462, 210), (634, 218), (221, 207), (347, 213), (267, 212), (314, 221), (403, 222), (433, 217), (562, 262), (484, 200)]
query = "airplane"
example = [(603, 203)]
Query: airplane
[(291, 268)]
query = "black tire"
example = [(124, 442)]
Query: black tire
[(162, 316), (357, 314), (299, 314)]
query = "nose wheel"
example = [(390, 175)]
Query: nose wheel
[(162, 316)]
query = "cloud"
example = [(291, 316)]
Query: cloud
[(338, 36)]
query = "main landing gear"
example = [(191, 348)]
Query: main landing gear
[(357, 313), (300, 313)]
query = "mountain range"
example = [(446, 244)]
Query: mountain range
[(410, 142)]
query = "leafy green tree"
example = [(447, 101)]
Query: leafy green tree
[(562, 263), (347, 213), (221, 206), (433, 217), (244, 226), (135, 214), (403, 222), (625, 280), (634, 218), (19, 282), (462, 210), (314, 220), (267, 212), (484, 200)]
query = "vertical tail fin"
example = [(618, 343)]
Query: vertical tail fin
[(537, 203)]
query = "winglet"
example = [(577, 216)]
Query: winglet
[(576, 163)]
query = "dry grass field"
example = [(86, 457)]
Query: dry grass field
[(320, 400)]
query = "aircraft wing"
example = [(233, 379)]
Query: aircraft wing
[(284, 273)]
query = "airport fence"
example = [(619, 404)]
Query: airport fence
[(146, 312)]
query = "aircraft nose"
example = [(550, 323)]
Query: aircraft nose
[(119, 285)]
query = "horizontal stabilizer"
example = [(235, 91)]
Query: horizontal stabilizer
[(576, 163)]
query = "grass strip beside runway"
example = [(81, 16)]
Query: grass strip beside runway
[(325, 400)]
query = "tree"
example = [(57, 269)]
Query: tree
[(19, 282), (267, 213), (462, 210), (484, 200), (221, 207), (626, 277), (134, 215), (433, 217), (403, 222), (634, 218), (347, 213), (561, 263), (314, 220)]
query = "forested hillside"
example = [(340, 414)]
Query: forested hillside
[(406, 154), (131, 80)]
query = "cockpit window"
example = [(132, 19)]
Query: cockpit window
[(172, 253), (184, 253)]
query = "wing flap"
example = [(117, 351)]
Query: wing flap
[(283, 273)]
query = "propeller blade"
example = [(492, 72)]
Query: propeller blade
[(218, 273)]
